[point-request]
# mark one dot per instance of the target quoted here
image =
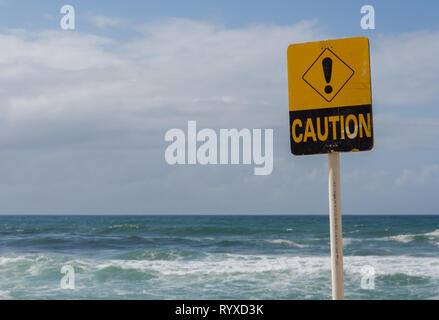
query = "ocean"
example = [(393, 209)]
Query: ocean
[(216, 257)]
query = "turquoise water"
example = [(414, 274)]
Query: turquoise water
[(216, 257)]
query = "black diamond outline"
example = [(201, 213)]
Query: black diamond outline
[(303, 77)]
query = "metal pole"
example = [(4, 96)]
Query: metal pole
[(335, 226)]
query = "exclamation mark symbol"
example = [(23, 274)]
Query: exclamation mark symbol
[(327, 70)]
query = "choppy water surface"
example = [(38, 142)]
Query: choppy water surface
[(215, 257)]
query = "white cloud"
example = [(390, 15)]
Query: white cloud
[(405, 68), (180, 70), (82, 117), (104, 22), (394, 132), (418, 178)]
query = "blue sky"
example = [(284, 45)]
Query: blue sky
[(84, 112), (340, 18)]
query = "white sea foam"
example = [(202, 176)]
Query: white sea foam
[(228, 264), (434, 234), (349, 241), (214, 264), (306, 275), (7, 260), (406, 238), (403, 238), (200, 239), (299, 266), (287, 242), (5, 294), (13, 260), (124, 226)]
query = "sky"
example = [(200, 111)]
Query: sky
[(84, 112)]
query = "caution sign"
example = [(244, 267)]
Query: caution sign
[(330, 96)]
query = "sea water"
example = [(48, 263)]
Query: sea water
[(216, 257)]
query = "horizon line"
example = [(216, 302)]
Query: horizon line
[(215, 214)]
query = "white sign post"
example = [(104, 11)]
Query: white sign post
[(335, 225)]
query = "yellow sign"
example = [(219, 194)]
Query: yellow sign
[(329, 88), (330, 96)]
